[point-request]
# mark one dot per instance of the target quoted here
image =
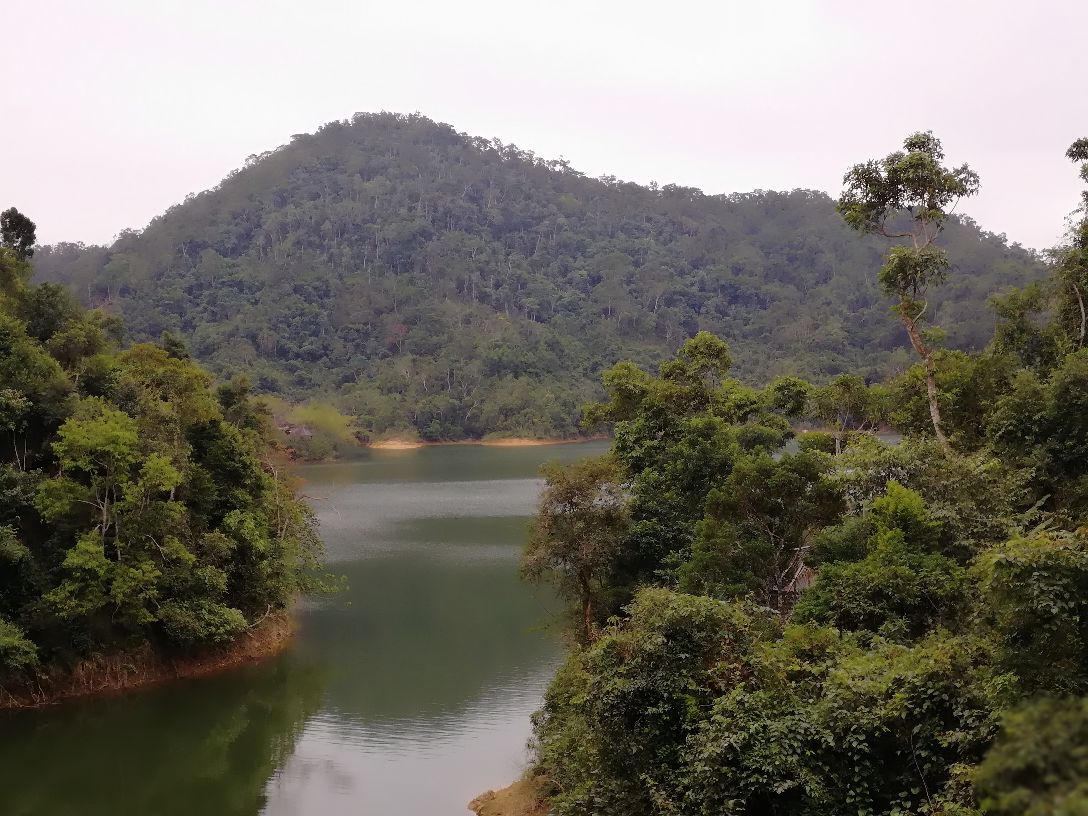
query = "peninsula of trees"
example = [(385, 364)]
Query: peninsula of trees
[(142, 512)]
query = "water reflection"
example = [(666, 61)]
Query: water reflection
[(437, 653), (202, 747), (408, 694), (416, 766)]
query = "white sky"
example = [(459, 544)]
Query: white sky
[(116, 109)]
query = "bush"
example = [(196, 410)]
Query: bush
[(201, 621), (615, 719), (1038, 765), (1035, 602), (17, 653), (821, 441)]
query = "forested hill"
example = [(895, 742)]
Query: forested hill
[(430, 281)]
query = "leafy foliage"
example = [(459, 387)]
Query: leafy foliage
[(17, 233), (901, 589), (1039, 765), (136, 504), (578, 531), (758, 527), (910, 194), (1036, 601), (931, 653)]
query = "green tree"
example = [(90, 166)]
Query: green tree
[(576, 535), (1021, 329), (14, 408), (1078, 152), (138, 509), (759, 527), (846, 404), (678, 436), (1071, 264), (17, 652), (17, 233), (901, 588), (909, 195), (118, 564), (1035, 604), (615, 720)]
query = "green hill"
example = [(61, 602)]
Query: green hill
[(426, 280)]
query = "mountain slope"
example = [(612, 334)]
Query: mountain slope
[(431, 281)]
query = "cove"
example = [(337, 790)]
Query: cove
[(408, 693)]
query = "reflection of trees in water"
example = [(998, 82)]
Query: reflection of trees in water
[(201, 748), (428, 634)]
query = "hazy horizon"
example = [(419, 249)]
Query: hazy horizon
[(134, 106)]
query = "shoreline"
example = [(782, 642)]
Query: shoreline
[(498, 442), (521, 798), (143, 669)]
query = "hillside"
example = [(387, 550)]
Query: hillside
[(432, 282)]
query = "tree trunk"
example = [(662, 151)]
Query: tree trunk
[(934, 408), (587, 614), (931, 374), (587, 611), (1083, 316)]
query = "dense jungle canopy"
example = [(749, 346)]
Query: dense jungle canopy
[(433, 283)]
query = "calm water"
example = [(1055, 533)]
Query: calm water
[(404, 696)]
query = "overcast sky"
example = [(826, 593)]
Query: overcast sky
[(116, 109)]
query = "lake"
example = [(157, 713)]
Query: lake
[(408, 693)]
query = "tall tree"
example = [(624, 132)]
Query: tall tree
[(1078, 152), (17, 232), (1072, 263), (846, 404), (908, 196), (578, 530)]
